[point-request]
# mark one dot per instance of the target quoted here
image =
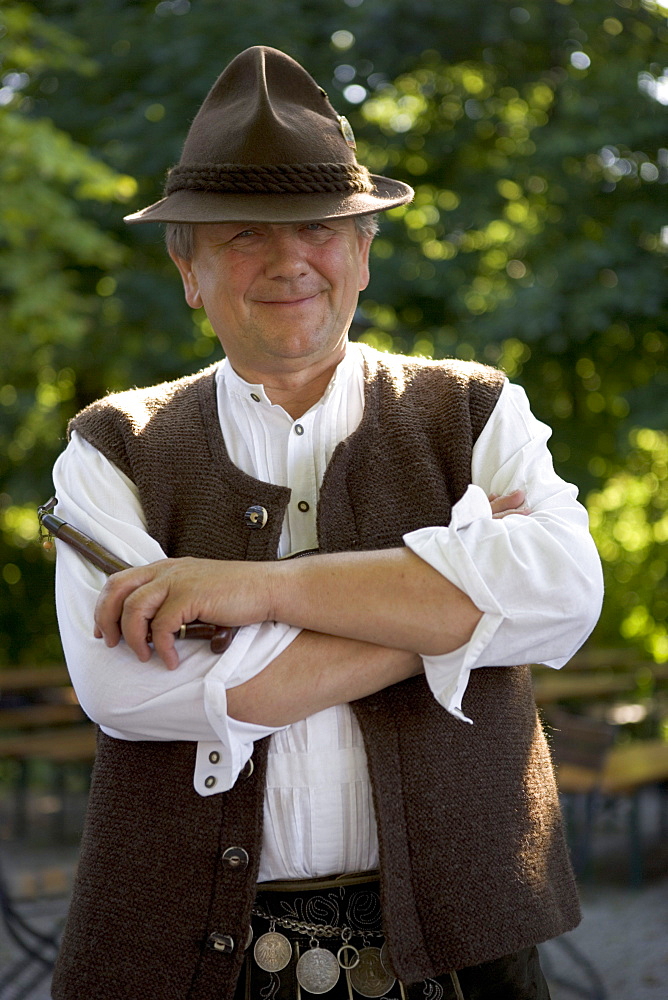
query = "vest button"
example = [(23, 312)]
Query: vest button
[(223, 943), (236, 858), (247, 769), (256, 517)]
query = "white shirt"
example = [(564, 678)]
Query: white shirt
[(536, 578)]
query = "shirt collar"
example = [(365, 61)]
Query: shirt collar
[(254, 392)]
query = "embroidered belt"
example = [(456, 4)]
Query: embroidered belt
[(324, 937)]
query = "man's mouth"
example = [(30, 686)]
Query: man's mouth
[(295, 300)]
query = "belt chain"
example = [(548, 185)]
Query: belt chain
[(315, 930)]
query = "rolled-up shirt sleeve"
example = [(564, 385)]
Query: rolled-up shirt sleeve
[(537, 578), (131, 700)]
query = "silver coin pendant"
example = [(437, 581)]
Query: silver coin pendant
[(369, 976), (318, 970), (272, 951), (385, 959)]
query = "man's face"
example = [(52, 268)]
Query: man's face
[(280, 297)]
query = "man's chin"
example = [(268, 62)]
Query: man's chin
[(306, 347)]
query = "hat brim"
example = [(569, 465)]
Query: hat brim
[(207, 206)]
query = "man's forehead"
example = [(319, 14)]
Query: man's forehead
[(344, 221), (208, 233)]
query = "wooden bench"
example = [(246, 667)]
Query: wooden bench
[(38, 716), (60, 746), (22, 678), (569, 684), (42, 725), (627, 768), (592, 768), (553, 687)]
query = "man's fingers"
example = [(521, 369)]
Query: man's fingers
[(163, 642), (509, 503), (135, 624), (164, 625), (126, 606), (114, 593)]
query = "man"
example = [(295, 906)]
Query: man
[(369, 712)]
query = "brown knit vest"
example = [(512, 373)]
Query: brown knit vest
[(472, 856)]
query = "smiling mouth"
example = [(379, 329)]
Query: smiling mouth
[(287, 302)]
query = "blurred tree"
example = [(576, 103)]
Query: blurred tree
[(629, 520), (533, 133), (46, 309), (534, 241)]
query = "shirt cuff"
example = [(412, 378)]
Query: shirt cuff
[(218, 764), (252, 649), (441, 547), (445, 551), (448, 674)]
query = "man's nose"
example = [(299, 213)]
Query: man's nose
[(286, 256)]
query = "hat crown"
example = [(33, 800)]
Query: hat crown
[(266, 145), (265, 109)]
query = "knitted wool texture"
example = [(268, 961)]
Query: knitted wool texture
[(472, 856)]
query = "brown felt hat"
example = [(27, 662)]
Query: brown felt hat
[(267, 146)]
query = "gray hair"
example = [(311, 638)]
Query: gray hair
[(180, 236)]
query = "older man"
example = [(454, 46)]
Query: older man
[(369, 713)]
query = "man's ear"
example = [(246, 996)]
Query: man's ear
[(189, 279), (364, 246)]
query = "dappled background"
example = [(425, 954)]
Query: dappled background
[(536, 136), (535, 133)]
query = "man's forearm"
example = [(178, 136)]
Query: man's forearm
[(317, 672), (390, 597)]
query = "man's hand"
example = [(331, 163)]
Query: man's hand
[(169, 593), (510, 503)]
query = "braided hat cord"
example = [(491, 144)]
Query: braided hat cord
[(280, 178)]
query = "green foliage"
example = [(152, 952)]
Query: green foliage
[(47, 309), (629, 520), (534, 241), (534, 134)]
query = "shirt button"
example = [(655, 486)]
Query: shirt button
[(209, 781), (235, 857), (303, 506), (247, 769), (299, 429), (254, 396), (214, 757)]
